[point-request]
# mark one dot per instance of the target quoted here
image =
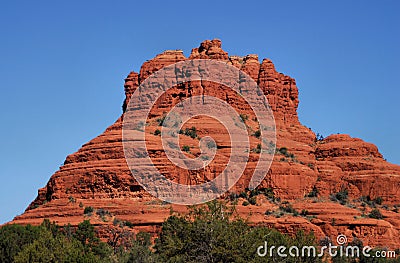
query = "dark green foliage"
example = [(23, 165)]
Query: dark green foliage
[(191, 132), (375, 213), (243, 195), (128, 224), (85, 233), (325, 241), (71, 199), (244, 117), (49, 248), (124, 106), (366, 200), (254, 192), (314, 192), (304, 212), (233, 197), (157, 132), (268, 212), (185, 148), (268, 192), (287, 208), (257, 149), (251, 195), (245, 203), (140, 251), (340, 196), (211, 145), (284, 151), (319, 137), (257, 134), (253, 200), (13, 238), (102, 212), (88, 210), (47, 243), (208, 233), (211, 234), (160, 121), (378, 200)]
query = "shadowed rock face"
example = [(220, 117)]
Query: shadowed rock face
[(97, 174)]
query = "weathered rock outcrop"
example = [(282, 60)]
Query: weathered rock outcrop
[(306, 171)]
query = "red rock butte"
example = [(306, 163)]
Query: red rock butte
[(97, 174)]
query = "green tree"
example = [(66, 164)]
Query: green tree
[(213, 234), (87, 236), (375, 213), (13, 238), (47, 248), (140, 251), (85, 233)]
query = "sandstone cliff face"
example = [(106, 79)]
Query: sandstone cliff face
[(97, 174)]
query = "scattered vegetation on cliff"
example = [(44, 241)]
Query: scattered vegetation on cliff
[(88, 210), (186, 148), (340, 196), (244, 117), (160, 121), (257, 134), (258, 149), (319, 137), (250, 196), (288, 156), (157, 132), (367, 200), (375, 213), (314, 192), (191, 132)]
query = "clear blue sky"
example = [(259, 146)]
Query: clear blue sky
[(62, 66)]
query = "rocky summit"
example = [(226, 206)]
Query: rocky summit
[(333, 185)]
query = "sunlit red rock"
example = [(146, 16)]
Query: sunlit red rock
[(97, 174)]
